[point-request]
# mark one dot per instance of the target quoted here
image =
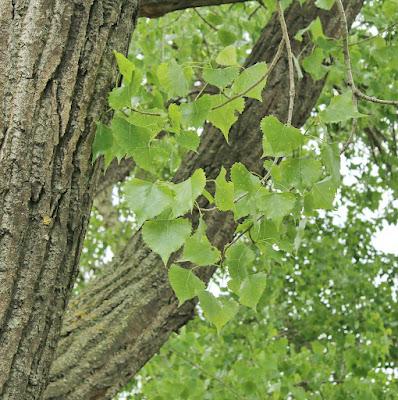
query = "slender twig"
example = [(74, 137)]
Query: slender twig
[(347, 59), (373, 36), (292, 90), (204, 20), (145, 112)]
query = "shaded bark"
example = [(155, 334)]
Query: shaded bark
[(56, 68), (157, 8), (123, 318)]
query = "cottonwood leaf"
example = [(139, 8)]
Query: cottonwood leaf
[(227, 56), (103, 140), (246, 188), (296, 172), (165, 236), (321, 196), (126, 67), (218, 311), (185, 283), (224, 197), (147, 199), (199, 250), (279, 139), (313, 64), (220, 77), (175, 118), (195, 113), (172, 78), (251, 289), (331, 159), (238, 257), (225, 115), (324, 4), (276, 205), (254, 75), (341, 108), (189, 140), (187, 192)]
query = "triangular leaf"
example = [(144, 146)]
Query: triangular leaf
[(252, 288), (224, 197), (341, 108), (185, 283), (147, 199), (279, 139), (187, 192), (253, 78), (199, 250), (165, 236), (218, 311)]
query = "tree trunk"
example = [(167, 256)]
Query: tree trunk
[(124, 316), (56, 68)]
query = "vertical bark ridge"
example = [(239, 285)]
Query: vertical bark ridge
[(57, 72), (122, 318)]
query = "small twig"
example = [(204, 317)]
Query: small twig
[(347, 59), (292, 90), (145, 112), (204, 20), (254, 12)]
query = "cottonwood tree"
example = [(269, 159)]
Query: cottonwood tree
[(57, 70)]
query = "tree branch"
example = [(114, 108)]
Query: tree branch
[(157, 8)]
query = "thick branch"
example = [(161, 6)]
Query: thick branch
[(157, 8), (122, 319)]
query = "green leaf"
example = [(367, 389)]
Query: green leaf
[(165, 236), (224, 197), (126, 67), (331, 159), (189, 140), (296, 172), (172, 78), (195, 113), (120, 97), (321, 196), (313, 64), (238, 257), (279, 139), (185, 283), (218, 311), (103, 140), (276, 205), (227, 56), (226, 37), (225, 115), (315, 27), (341, 108), (324, 4), (147, 199), (265, 232), (252, 288), (187, 192), (253, 78), (175, 117), (199, 250), (246, 189), (220, 77), (154, 121)]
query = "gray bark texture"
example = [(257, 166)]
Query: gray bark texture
[(56, 68), (126, 314)]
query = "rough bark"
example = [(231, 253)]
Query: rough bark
[(122, 318), (157, 8), (56, 68)]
